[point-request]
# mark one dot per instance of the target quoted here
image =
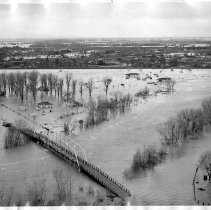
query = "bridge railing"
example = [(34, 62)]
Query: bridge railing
[(60, 144)]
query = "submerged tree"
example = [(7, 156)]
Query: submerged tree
[(6, 193), (13, 138), (20, 84), (33, 83), (90, 86), (11, 82), (3, 79), (107, 81), (81, 84), (63, 186), (169, 132), (61, 84), (68, 78), (74, 83), (169, 84), (37, 192), (50, 82), (43, 80), (206, 106), (55, 83), (205, 164)]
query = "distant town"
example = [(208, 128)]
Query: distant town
[(105, 53)]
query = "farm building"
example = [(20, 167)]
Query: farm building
[(45, 104), (164, 79), (134, 75)]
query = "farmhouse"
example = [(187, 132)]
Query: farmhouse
[(45, 104), (164, 79), (128, 75)]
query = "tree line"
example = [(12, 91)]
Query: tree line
[(188, 124), (21, 83)]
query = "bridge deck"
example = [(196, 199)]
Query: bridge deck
[(85, 166)]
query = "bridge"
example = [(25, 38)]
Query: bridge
[(70, 151)]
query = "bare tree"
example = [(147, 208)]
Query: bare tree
[(107, 81), (16, 84), (63, 185), (61, 84), (170, 84), (68, 78), (169, 132), (20, 84), (43, 80), (81, 84), (37, 192), (74, 83), (90, 86), (55, 82), (14, 138), (58, 88), (206, 106), (205, 164), (0, 84), (3, 79), (11, 82), (33, 83), (6, 193), (50, 82)]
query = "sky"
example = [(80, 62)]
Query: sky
[(104, 18)]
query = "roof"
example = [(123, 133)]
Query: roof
[(128, 74), (163, 78), (45, 103)]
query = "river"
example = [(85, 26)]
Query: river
[(112, 144)]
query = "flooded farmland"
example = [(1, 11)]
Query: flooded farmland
[(111, 145)]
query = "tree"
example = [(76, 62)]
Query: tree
[(74, 83), (68, 77), (21, 84), (6, 193), (107, 81), (11, 82), (61, 83), (170, 84), (205, 162), (50, 82), (55, 82), (90, 86), (43, 80), (169, 132), (174, 62), (81, 84), (37, 192), (63, 186), (206, 106), (162, 61), (4, 81), (33, 83)]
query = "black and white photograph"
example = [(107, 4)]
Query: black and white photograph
[(105, 103)]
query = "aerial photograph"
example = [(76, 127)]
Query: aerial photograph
[(105, 103)]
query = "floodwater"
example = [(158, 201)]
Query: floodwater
[(112, 144)]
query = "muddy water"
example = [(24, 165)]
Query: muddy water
[(112, 145)]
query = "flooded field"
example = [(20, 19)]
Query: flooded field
[(112, 144)]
